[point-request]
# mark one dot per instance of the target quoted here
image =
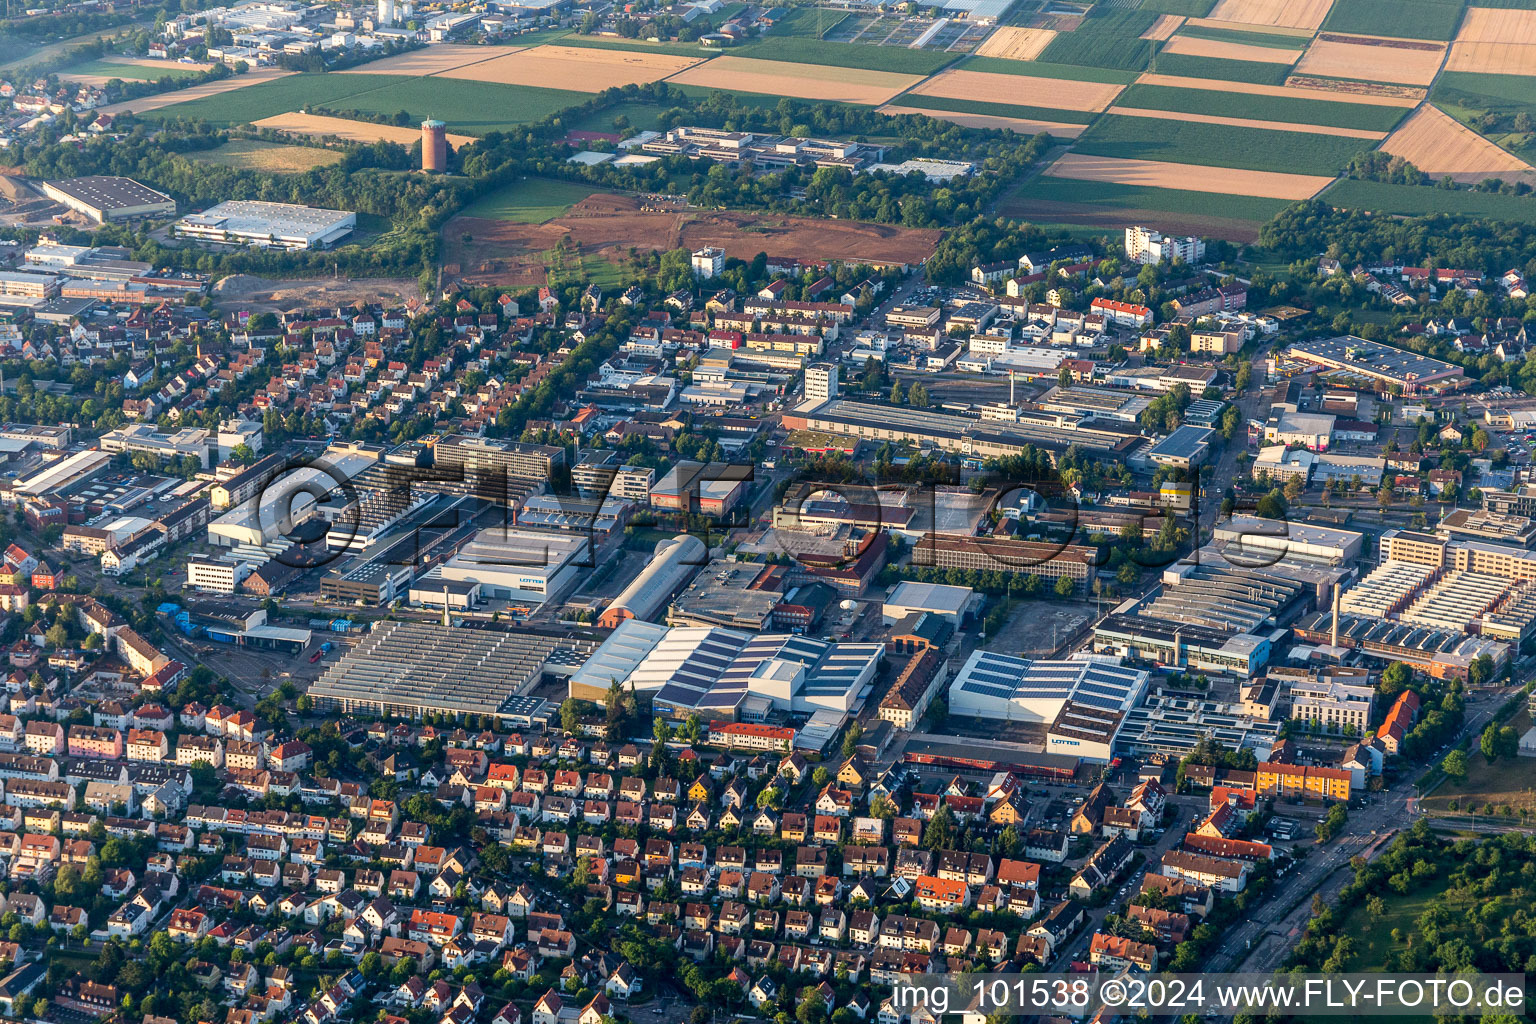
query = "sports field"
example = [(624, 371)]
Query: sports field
[(805, 81), (530, 201), (270, 157)]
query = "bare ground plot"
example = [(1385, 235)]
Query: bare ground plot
[(1497, 42), (316, 126), (1037, 628), (1247, 122), (149, 62), (1403, 95), (802, 81), (1016, 43), (195, 92), (1022, 125), (1438, 145), (433, 60), (991, 87), (1164, 27), (507, 253), (1372, 59), (1161, 174), (575, 68), (1307, 14), (1295, 92), (1195, 46), (260, 293)]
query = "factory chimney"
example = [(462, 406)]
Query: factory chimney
[(1335, 640)]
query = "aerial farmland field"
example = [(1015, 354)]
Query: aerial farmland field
[(1333, 114), (1408, 19), (1115, 135)]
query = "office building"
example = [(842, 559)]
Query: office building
[(820, 382)]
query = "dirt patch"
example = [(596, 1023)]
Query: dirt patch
[(260, 294), (1185, 177), (1438, 144), (317, 126), (1248, 122), (433, 60), (1164, 27), (1358, 92), (1022, 125), (1016, 43), (1372, 59), (803, 81), (1495, 42), (1297, 87), (510, 254), (987, 86), (1307, 14), (575, 68), (1195, 46), (195, 92)]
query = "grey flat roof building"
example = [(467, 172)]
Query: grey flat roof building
[(106, 197)]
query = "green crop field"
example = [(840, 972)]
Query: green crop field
[(1045, 69), (1255, 72), (1272, 40), (1105, 41), (1491, 105), (1418, 200), (1405, 19), (808, 22), (132, 72), (1044, 198), (1218, 145), (1332, 114), (751, 99), (530, 201), (1188, 8), (993, 109), (641, 117), (468, 107), (810, 50), (635, 45)]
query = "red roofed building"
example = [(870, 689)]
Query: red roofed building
[(1128, 314)]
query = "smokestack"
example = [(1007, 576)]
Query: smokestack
[(1335, 615), (1010, 388)]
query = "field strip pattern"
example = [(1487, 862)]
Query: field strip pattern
[(1188, 177), (1164, 27), (1248, 122), (1196, 46), (195, 92), (1293, 92), (1495, 42), (1438, 144), (573, 68), (1378, 60), (318, 126), (433, 60), (801, 81), (1022, 125), (1238, 26), (991, 87), (1303, 14), (1014, 43)]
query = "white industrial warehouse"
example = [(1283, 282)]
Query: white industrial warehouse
[(728, 674), (675, 561), (1084, 702)]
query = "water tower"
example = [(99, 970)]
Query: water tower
[(434, 146)]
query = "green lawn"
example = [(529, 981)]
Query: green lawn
[(994, 109), (1416, 200), (1047, 69), (1330, 113), (1256, 72), (1406, 19), (1272, 40), (1218, 145), (468, 107), (1110, 196), (270, 157), (641, 116), (1109, 40), (530, 201), (133, 72)]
